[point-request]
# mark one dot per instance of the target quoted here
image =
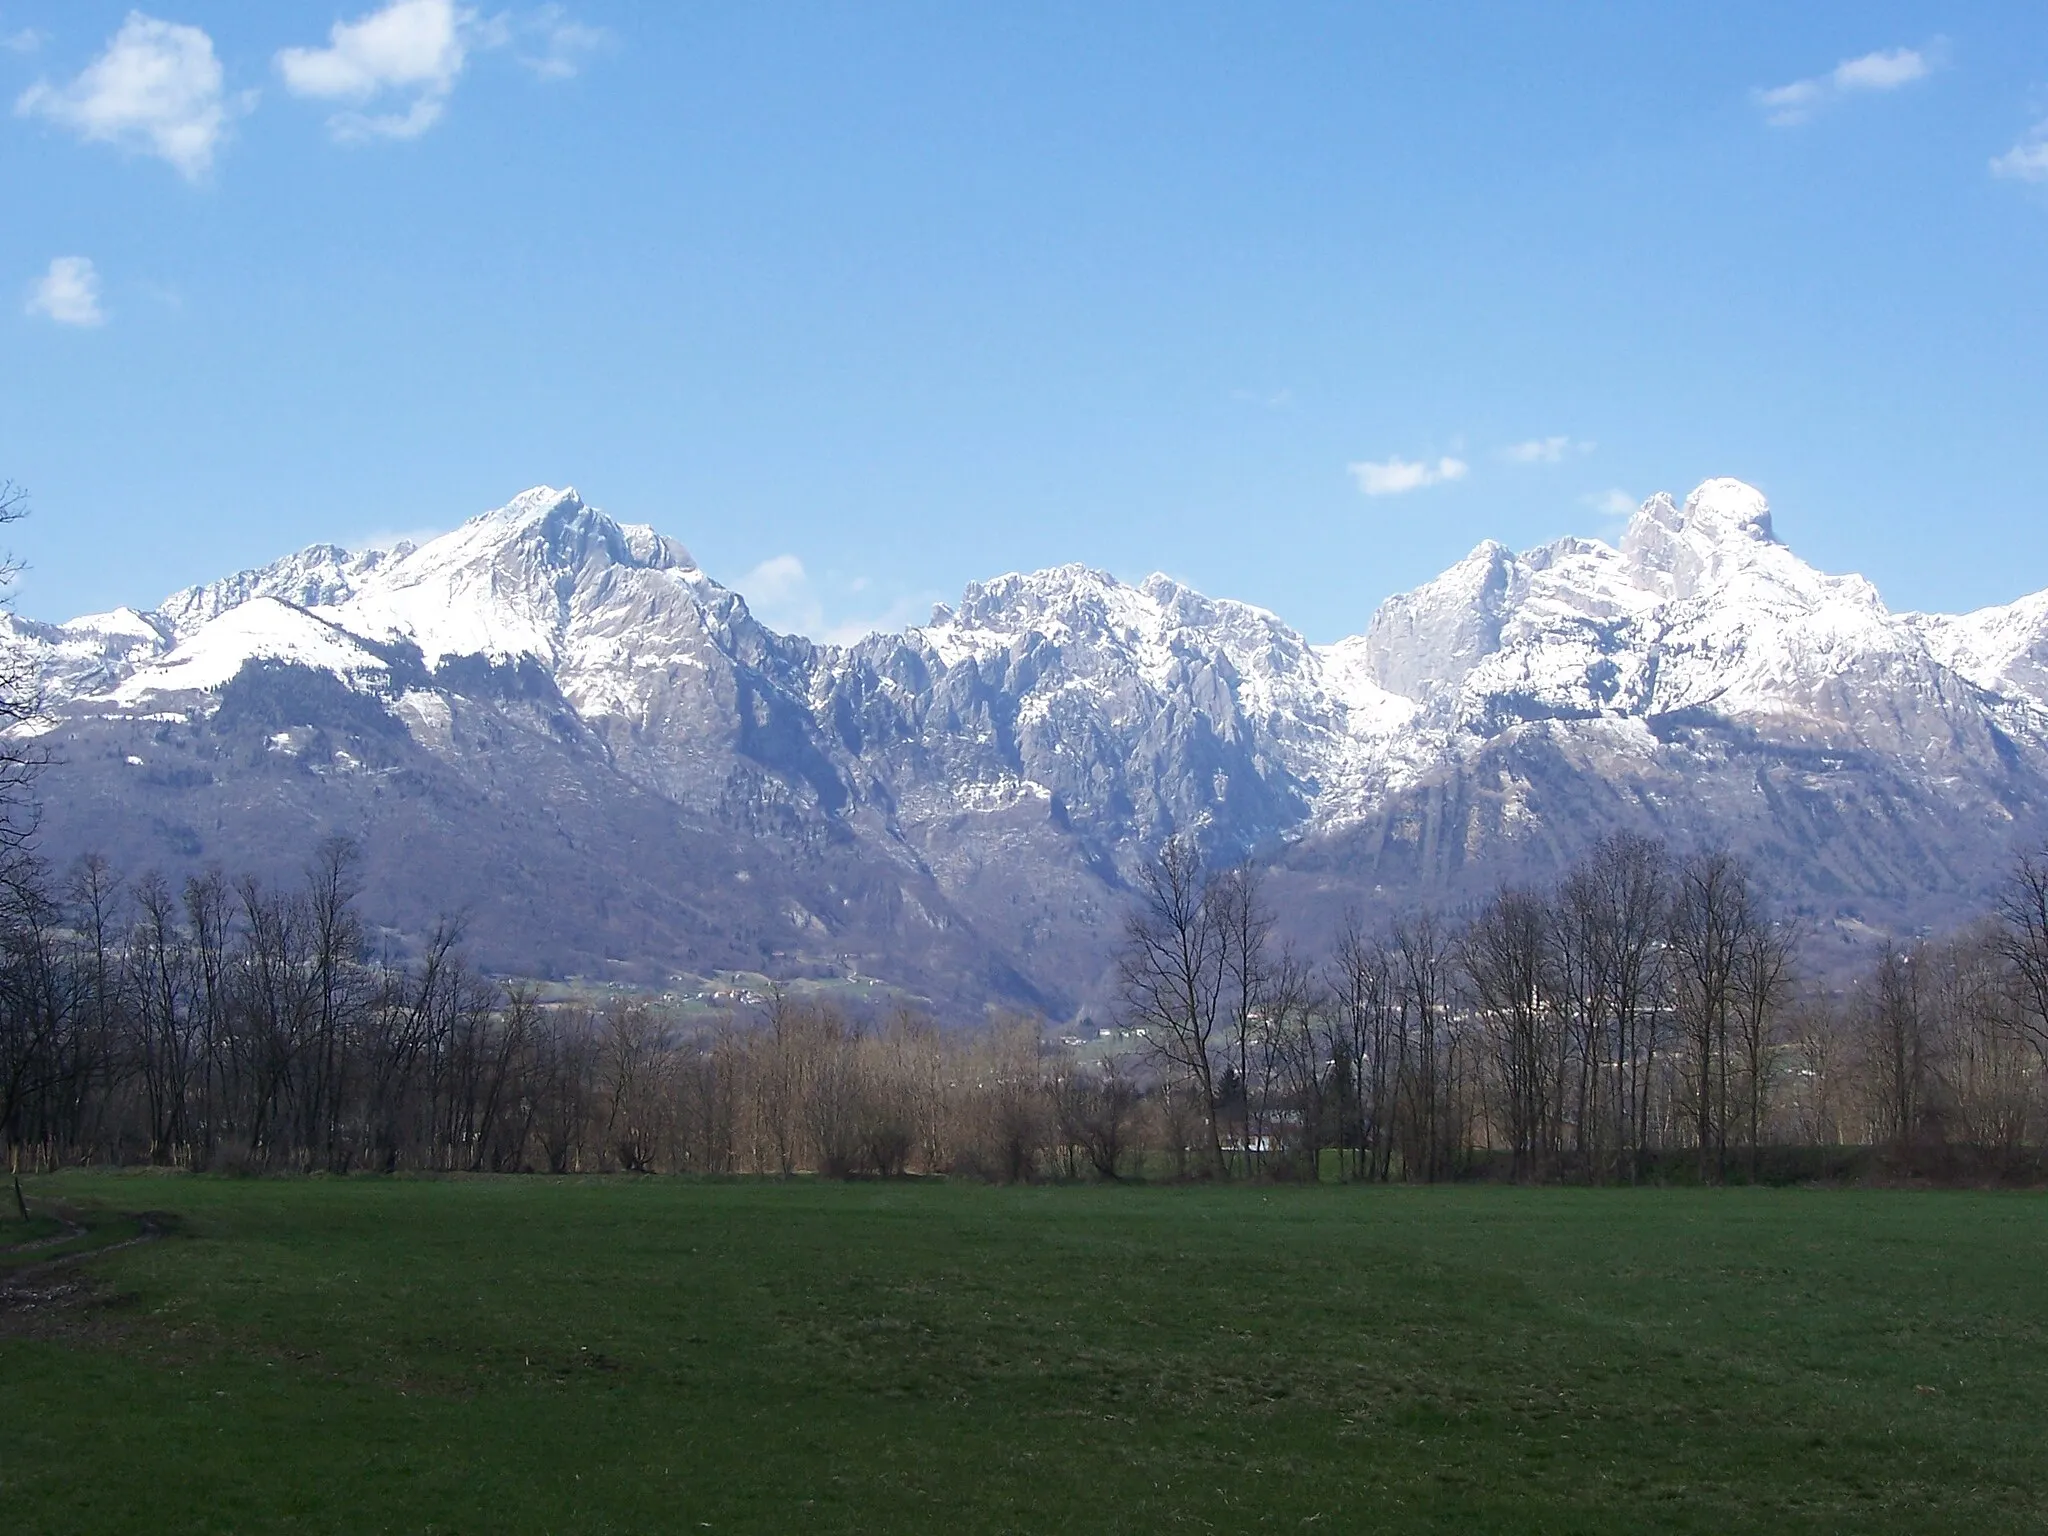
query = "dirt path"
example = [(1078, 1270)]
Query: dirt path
[(34, 1292), (71, 1230)]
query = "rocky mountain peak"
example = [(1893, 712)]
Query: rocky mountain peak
[(1728, 508), (1680, 551), (1437, 633), (542, 528), (983, 784), (533, 506)]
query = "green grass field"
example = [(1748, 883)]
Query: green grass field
[(643, 1355)]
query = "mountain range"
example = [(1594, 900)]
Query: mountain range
[(557, 725)]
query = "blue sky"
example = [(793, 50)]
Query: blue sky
[(866, 301)]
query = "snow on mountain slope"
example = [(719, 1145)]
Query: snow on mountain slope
[(1700, 609), (261, 629), (121, 624), (1160, 636), (2003, 649), (88, 655), (522, 582), (546, 677), (505, 584), (1147, 704), (1723, 532), (1128, 707), (323, 573)]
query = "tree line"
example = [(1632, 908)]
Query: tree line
[(1633, 1008), (1644, 1017), (230, 1024), (1647, 1015)]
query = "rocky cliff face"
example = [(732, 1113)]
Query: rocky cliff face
[(560, 723)]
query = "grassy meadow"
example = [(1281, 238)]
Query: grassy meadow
[(620, 1354)]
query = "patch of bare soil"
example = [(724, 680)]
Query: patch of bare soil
[(58, 1298)]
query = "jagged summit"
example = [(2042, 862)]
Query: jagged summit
[(534, 505), (1574, 627), (543, 672), (1723, 529), (320, 573), (1718, 511)]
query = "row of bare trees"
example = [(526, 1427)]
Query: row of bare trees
[(230, 1024), (1643, 1017), (1937, 1053), (231, 1020), (1646, 1011)]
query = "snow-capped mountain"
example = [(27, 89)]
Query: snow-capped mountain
[(599, 749)]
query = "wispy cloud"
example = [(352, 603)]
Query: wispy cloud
[(898, 615), (1886, 70), (555, 45), (785, 596), (157, 90), (1391, 477), (1611, 503), (68, 293), (1544, 450), (27, 40), (1270, 399), (2028, 159)]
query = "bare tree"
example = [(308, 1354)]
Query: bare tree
[(1763, 982), (336, 936), (1095, 1110), (1244, 924), (1985, 1072), (1504, 952), (1628, 877), (208, 915), (1174, 967), (634, 1071), (1303, 1037), (1897, 1034), (20, 700), (1711, 912), (2022, 940), (1006, 1109), (1366, 1055), (1424, 953), (165, 1034), (1822, 1042), (98, 897)]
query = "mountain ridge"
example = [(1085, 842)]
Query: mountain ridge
[(996, 773)]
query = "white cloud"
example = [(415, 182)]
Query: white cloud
[(1885, 70), (2028, 159), (1543, 450), (411, 48), (69, 293), (157, 89), (1395, 475), (898, 616), (779, 592), (1612, 503), (27, 40), (395, 68), (784, 595)]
